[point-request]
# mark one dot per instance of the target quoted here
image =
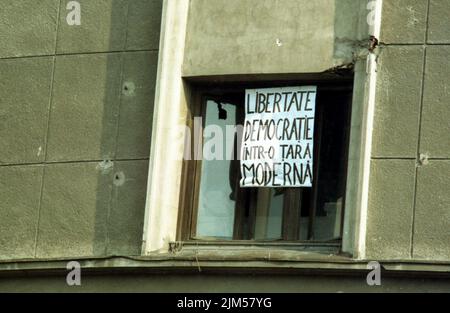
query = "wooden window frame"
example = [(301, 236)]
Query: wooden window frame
[(191, 170)]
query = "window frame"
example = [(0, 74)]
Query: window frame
[(189, 188), (172, 95)]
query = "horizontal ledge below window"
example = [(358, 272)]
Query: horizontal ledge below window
[(207, 262)]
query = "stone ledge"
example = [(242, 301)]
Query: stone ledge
[(208, 262)]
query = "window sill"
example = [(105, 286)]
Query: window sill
[(261, 250)]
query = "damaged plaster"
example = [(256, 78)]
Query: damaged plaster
[(105, 166)]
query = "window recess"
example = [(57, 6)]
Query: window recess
[(215, 209)]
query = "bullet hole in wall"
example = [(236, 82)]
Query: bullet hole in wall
[(128, 88), (119, 178)]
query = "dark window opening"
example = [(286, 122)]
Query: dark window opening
[(216, 208)]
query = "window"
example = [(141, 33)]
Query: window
[(213, 206)]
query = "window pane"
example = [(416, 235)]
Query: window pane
[(332, 165), (269, 214), (226, 211), (216, 204)]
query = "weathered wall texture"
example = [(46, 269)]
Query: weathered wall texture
[(76, 111), (270, 36), (409, 213), (76, 108)]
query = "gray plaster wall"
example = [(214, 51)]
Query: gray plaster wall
[(76, 107), (272, 36), (409, 210), (76, 111)]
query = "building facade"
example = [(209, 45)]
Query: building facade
[(99, 109)]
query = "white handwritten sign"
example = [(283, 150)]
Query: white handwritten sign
[(277, 144)]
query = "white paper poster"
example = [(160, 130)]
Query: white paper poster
[(277, 144)]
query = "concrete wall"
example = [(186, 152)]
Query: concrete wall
[(409, 202), (270, 36), (76, 111), (76, 107), (409, 213)]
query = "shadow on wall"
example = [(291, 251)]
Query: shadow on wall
[(94, 189), (126, 131)]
